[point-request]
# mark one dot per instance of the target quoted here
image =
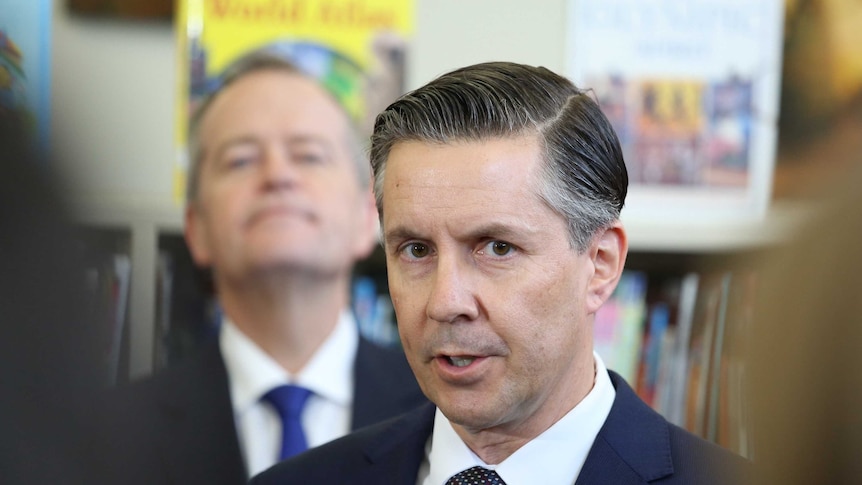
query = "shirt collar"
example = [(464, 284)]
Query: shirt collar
[(253, 372), (555, 456)]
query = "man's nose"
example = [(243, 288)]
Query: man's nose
[(279, 171), (452, 298)]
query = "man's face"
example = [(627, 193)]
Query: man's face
[(278, 188), (494, 306)]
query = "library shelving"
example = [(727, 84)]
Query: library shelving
[(169, 308)]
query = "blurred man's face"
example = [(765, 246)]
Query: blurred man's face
[(278, 188), (491, 299)]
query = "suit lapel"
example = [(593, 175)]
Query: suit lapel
[(394, 456), (200, 444), (633, 445)]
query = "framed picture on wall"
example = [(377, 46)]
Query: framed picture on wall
[(127, 9), (692, 89)]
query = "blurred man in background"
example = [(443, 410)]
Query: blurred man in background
[(279, 208)]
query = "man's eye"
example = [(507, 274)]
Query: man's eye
[(239, 162), (309, 157), (416, 250), (499, 248), (239, 157)]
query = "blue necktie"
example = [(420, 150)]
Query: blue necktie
[(476, 476), (289, 400)]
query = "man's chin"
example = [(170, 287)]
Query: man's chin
[(471, 414), (295, 265)]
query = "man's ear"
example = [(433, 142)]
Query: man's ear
[(369, 226), (195, 235), (608, 255)]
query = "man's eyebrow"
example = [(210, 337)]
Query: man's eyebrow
[(498, 230), (397, 234), (309, 139), (232, 142), (491, 230), (250, 139)]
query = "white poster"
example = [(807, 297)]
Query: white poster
[(692, 89)]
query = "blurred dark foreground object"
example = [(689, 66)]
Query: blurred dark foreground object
[(49, 359), (805, 349)]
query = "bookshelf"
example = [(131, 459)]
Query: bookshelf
[(136, 234), (104, 253), (678, 336), (144, 235)]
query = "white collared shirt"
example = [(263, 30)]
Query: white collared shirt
[(252, 373), (554, 457)]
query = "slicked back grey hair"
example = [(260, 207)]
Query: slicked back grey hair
[(584, 177), (256, 61)]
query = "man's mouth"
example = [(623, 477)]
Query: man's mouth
[(280, 212), (462, 361)]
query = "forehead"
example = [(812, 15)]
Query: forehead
[(506, 163), (465, 181), (272, 101)]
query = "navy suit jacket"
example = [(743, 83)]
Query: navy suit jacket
[(634, 446), (178, 426)]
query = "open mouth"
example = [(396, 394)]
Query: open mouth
[(461, 361)]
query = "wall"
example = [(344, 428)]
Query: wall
[(112, 93), (113, 89)]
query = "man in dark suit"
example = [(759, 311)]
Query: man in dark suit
[(279, 207), (500, 188)]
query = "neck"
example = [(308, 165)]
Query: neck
[(288, 317)]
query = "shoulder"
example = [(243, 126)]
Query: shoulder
[(657, 450), (387, 452), (697, 457), (177, 421), (201, 378)]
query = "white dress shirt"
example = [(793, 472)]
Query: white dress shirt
[(554, 457), (252, 373)]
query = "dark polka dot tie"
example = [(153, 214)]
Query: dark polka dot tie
[(476, 476)]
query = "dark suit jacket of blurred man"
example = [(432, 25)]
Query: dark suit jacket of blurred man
[(635, 446), (178, 426)]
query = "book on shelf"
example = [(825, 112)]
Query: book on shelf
[(164, 296), (618, 330), (731, 422), (656, 338), (107, 281), (654, 371), (705, 338), (673, 384)]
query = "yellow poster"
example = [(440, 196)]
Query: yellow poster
[(355, 48)]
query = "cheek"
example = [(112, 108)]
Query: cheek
[(409, 309), (401, 301), (224, 202), (409, 300), (544, 312)]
